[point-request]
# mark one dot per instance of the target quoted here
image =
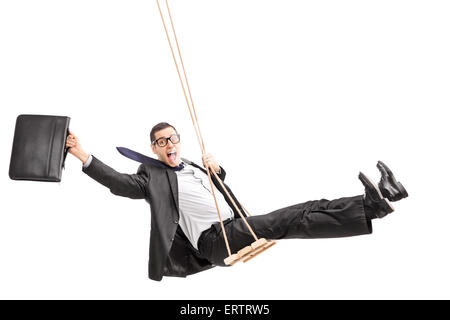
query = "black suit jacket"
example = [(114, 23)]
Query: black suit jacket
[(171, 253)]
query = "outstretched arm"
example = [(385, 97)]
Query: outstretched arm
[(121, 184)]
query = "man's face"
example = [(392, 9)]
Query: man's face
[(169, 154)]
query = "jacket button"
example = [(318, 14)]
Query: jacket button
[(172, 239), (176, 222)]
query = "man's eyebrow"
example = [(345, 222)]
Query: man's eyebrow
[(165, 137)]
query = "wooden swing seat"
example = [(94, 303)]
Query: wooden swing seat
[(249, 252)]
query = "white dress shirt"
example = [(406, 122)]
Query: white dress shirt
[(198, 211)]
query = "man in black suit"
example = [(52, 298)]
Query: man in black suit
[(186, 236)]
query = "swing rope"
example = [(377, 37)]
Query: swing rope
[(259, 243)]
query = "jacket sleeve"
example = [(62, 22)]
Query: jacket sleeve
[(125, 185), (222, 174)]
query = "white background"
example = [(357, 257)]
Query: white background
[(294, 98)]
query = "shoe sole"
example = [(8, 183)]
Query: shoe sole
[(402, 191), (368, 180)]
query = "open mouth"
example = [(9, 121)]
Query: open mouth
[(172, 156)]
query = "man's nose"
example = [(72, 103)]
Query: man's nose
[(169, 143)]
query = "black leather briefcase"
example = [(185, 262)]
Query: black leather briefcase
[(39, 148)]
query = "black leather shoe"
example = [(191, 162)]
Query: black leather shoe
[(374, 203), (389, 187)]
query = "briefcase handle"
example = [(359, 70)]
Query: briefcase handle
[(66, 150)]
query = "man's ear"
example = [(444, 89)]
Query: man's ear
[(153, 148)]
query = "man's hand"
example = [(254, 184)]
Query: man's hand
[(74, 144), (209, 160)]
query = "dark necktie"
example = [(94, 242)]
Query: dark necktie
[(136, 156), (178, 167)]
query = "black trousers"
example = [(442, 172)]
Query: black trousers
[(342, 217)]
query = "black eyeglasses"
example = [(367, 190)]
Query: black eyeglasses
[(163, 141)]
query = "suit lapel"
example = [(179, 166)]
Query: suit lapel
[(173, 182)]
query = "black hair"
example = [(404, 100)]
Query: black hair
[(158, 127)]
